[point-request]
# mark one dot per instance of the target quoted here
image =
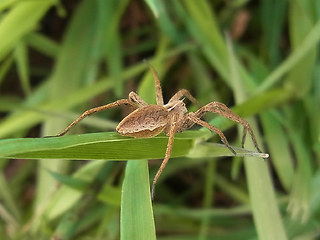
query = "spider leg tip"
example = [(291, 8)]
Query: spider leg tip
[(233, 151), (51, 136), (259, 150), (152, 191)]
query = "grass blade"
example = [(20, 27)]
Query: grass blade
[(95, 146), (19, 21), (21, 55), (311, 40), (279, 149), (267, 218), (137, 221)]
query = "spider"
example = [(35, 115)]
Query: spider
[(150, 120)]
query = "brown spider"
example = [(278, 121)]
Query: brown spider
[(150, 120)]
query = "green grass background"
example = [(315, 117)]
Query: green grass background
[(59, 58)]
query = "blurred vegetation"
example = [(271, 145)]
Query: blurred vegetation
[(59, 58)]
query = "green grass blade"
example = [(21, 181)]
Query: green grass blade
[(168, 27), (210, 175), (273, 15), (76, 67), (154, 6), (310, 41), (43, 44), (110, 195), (21, 55), (299, 204), (202, 25), (299, 78), (65, 197), (278, 146), (266, 214), (18, 21), (137, 221), (267, 218), (8, 200), (75, 220), (97, 146), (113, 45), (74, 183), (5, 67)]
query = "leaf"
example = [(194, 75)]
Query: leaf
[(266, 214), (278, 146), (65, 197), (42, 44), (74, 183), (154, 6), (310, 41), (97, 146), (21, 57), (18, 21), (137, 221)]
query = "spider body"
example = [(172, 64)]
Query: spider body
[(147, 121), (150, 120)]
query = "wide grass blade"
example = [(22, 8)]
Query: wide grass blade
[(97, 146), (137, 221)]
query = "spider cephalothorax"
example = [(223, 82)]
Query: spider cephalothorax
[(150, 120)]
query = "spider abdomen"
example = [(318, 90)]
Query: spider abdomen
[(147, 121)]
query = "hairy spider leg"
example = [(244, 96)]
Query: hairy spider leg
[(184, 93), (223, 110), (192, 117), (97, 109), (167, 156), (133, 97), (159, 95)]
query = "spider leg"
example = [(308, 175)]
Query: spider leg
[(184, 93), (172, 131), (193, 118), (133, 97), (223, 110), (159, 95), (97, 109)]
